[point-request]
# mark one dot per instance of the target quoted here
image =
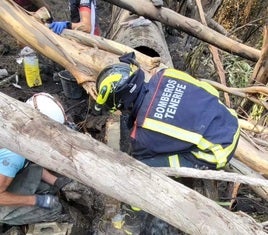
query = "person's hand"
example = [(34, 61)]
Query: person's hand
[(46, 201), (61, 182), (58, 27)]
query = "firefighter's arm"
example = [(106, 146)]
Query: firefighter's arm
[(85, 20)]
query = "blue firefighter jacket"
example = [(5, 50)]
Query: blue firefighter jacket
[(181, 114)]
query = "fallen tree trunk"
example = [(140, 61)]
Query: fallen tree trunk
[(113, 173), (260, 72), (147, 63), (141, 34), (188, 25), (252, 157)]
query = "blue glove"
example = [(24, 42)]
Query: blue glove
[(46, 201), (58, 27)]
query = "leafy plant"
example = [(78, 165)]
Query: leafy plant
[(238, 71)]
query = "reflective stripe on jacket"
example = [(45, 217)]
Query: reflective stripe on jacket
[(182, 114)]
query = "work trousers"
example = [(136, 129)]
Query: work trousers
[(28, 182), (183, 161)]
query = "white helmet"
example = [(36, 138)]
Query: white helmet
[(48, 105)]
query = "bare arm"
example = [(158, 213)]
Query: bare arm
[(11, 199), (48, 177), (85, 20)]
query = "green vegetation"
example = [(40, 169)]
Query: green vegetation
[(238, 70)]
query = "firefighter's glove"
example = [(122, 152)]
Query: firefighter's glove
[(58, 27), (158, 3), (46, 201)]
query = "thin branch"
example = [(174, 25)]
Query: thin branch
[(213, 175), (242, 92), (251, 23)]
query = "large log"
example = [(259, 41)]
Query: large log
[(141, 34), (188, 25), (80, 157)]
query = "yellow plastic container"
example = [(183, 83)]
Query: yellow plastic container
[(31, 70)]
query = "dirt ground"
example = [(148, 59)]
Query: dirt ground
[(76, 109)]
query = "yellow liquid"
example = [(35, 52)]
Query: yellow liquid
[(32, 72)]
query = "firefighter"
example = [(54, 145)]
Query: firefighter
[(184, 115), (175, 119)]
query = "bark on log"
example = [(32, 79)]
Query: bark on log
[(250, 156), (114, 173), (190, 26), (148, 39), (243, 19), (260, 72), (147, 63)]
